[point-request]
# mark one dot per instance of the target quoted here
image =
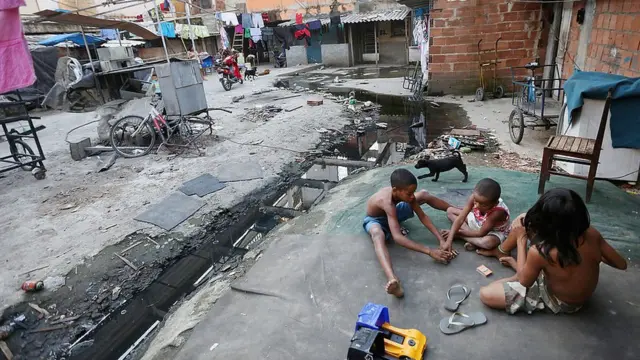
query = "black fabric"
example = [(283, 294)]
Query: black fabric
[(284, 35), (45, 61)]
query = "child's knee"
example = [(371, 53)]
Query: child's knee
[(485, 294), (489, 242), (377, 235)]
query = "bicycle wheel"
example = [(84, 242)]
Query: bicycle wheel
[(132, 137), (516, 125), (22, 154)]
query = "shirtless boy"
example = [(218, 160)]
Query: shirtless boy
[(390, 206), (560, 271)]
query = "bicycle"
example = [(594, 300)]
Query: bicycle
[(134, 136)]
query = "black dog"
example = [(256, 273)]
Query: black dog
[(442, 165), (250, 74)]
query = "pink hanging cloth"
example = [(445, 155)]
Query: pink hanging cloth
[(16, 65)]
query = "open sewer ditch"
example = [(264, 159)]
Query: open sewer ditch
[(116, 308)]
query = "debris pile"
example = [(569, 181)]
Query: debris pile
[(261, 113)]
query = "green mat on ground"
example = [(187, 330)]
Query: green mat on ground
[(614, 213)]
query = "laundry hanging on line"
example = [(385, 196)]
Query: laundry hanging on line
[(16, 64), (256, 34), (228, 18), (258, 21), (247, 21), (167, 29)]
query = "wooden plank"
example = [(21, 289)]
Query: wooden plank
[(569, 143), (465, 132), (6, 351), (135, 268), (591, 144), (583, 147), (554, 144), (576, 144), (562, 143)]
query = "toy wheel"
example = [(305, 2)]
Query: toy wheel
[(39, 174), (516, 125), (499, 93), (480, 94)]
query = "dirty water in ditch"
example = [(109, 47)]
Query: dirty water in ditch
[(148, 294)]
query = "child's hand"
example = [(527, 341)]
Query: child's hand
[(441, 255)]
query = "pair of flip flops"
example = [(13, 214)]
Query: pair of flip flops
[(458, 321)]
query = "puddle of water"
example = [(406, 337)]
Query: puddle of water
[(405, 127)]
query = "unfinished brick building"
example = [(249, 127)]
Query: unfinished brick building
[(592, 35)]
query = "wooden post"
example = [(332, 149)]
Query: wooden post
[(164, 43), (352, 61), (95, 77), (375, 40)]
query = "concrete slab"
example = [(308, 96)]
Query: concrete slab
[(301, 299)]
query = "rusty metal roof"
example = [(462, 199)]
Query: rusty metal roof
[(76, 19), (385, 15), (371, 16)]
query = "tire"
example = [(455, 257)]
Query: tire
[(122, 128), (479, 94), (226, 84), (499, 93), (26, 150), (516, 125)]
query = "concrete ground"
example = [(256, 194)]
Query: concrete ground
[(302, 297), (54, 224)]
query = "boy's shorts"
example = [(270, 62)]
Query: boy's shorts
[(536, 297), (403, 212), (473, 225)]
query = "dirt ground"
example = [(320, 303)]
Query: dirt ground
[(76, 211)]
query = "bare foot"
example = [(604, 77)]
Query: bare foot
[(491, 253), (394, 288), (509, 262), (469, 246)]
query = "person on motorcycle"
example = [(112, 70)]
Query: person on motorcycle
[(230, 59)]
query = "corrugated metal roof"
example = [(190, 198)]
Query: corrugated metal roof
[(387, 15), (415, 4), (371, 16)]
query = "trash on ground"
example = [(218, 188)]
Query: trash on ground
[(484, 270), (315, 102), (261, 113), (235, 99), (6, 351), (292, 109), (6, 331), (42, 311), (434, 104), (381, 125), (32, 286)]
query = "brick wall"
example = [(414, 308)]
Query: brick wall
[(456, 27), (614, 43)]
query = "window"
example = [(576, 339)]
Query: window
[(398, 28)]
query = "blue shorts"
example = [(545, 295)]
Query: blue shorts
[(403, 212)]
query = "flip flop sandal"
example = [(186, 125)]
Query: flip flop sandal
[(458, 322), (456, 295), (404, 231)]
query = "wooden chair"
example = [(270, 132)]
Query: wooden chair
[(575, 150)]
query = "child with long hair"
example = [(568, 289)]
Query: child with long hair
[(559, 271)]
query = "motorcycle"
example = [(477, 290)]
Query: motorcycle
[(225, 75)]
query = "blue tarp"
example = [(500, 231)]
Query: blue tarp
[(625, 107), (76, 38)]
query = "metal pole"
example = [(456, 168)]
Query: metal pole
[(375, 40), (118, 33), (352, 61), (164, 42), (95, 76), (193, 43)]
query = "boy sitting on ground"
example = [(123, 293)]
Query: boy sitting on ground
[(484, 221), (390, 206), (560, 271)]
